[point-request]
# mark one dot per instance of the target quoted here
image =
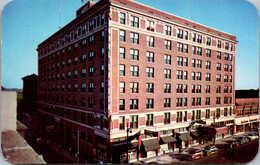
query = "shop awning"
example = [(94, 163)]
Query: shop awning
[(194, 133), (133, 145), (185, 137), (150, 145), (168, 139)]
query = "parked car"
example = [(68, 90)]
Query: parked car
[(252, 136), (242, 139), (210, 149), (195, 153), (234, 143)]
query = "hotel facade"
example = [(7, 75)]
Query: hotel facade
[(123, 69)]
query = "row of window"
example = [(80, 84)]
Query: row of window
[(180, 75), (182, 116), (181, 33), (68, 76), (180, 102), (78, 31)]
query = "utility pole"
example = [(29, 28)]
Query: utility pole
[(60, 13)]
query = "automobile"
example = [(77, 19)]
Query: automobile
[(186, 157), (234, 143), (242, 139), (210, 149), (195, 153), (252, 136)]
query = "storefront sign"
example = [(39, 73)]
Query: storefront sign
[(245, 121), (222, 130)]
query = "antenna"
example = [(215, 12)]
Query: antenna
[(189, 11), (60, 13)]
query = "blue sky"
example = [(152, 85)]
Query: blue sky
[(26, 23)]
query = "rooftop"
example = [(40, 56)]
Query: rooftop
[(16, 150)]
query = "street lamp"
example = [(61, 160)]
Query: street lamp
[(127, 141), (214, 125)]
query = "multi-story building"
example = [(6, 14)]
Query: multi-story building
[(121, 68)]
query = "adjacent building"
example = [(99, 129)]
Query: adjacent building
[(123, 69)]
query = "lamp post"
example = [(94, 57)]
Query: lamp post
[(127, 141)]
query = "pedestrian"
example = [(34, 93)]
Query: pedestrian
[(180, 147)]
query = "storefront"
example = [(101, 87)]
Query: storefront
[(167, 143), (150, 147), (120, 152), (221, 132), (196, 137), (184, 139)]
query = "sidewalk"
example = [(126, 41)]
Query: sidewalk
[(173, 157)]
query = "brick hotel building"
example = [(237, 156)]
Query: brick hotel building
[(122, 64)]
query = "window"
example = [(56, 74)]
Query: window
[(122, 35), (167, 103), (90, 102), (83, 73), (230, 79), (218, 100), (149, 56), (167, 88), (218, 66), (168, 30), (225, 111), (102, 87), (150, 41), (150, 72), (199, 39), (102, 70), (225, 78), (149, 87), (179, 74), (134, 71), (167, 73), (193, 50), (91, 56), (225, 89), (199, 51), (102, 35), (207, 113), (122, 104), (75, 46), (149, 103), (218, 89), (83, 58), (121, 87), (91, 40), (122, 70), (193, 37), (186, 48), (133, 104), (208, 65), (167, 45), (219, 44), (208, 52), (122, 18), (193, 63), (208, 41), (198, 101), (167, 59), (179, 47), (122, 53), (218, 55), (179, 88), (134, 87), (193, 99), (91, 71), (180, 61), (83, 43), (68, 62), (198, 88), (91, 87), (121, 122), (75, 74), (226, 57), (198, 75), (167, 118), (179, 117), (150, 25), (231, 47), (134, 21), (227, 46), (178, 102), (180, 33), (199, 64), (102, 19), (193, 75), (207, 76), (193, 88), (83, 87), (134, 121), (186, 35), (207, 102), (185, 61), (134, 38), (218, 78), (231, 57), (134, 54), (226, 67), (230, 68), (207, 88)]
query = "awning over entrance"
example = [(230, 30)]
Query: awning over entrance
[(168, 139), (185, 137), (194, 134), (150, 145)]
